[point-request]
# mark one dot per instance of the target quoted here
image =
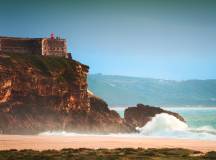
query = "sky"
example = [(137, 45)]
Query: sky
[(169, 39)]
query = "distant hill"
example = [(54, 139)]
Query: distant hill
[(123, 90)]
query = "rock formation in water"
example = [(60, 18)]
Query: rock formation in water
[(40, 94), (138, 116)]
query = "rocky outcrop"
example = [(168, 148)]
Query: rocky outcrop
[(138, 116), (38, 94), (106, 120)]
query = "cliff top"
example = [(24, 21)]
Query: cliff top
[(47, 65)]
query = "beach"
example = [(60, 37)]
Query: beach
[(42, 142)]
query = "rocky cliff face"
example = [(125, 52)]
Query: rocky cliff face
[(49, 93), (37, 80), (138, 116), (106, 120)]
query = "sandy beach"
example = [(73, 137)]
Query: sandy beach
[(59, 142)]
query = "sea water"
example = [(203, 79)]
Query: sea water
[(194, 116), (200, 124)]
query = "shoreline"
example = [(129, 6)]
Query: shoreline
[(41, 142)]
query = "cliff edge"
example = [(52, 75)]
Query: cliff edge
[(40, 94)]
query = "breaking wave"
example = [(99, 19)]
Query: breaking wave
[(165, 125), (162, 125)]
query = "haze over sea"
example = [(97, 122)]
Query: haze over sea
[(192, 99), (200, 124)]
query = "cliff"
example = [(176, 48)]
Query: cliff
[(106, 120), (50, 93)]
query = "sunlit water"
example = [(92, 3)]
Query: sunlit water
[(200, 124)]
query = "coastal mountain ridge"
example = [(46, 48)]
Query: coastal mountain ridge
[(125, 90)]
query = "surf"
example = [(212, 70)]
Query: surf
[(165, 125), (160, 126)]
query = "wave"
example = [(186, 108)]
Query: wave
[(165, 125), (204, 129), (162, 125), (197, 108)]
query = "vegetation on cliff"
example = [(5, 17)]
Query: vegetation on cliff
[(47, 65)]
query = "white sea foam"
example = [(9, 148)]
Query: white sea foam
[(162, 125), (165, 125)]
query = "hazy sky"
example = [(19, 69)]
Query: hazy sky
[(169, 39)]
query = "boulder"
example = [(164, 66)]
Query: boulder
[(138, 116)]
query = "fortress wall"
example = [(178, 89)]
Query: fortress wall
[(10, 45), (56, 47), (40, 46)]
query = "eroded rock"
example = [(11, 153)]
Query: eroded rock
[(138, 116), (39, 94)]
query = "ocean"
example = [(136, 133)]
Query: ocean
[(200, 124)]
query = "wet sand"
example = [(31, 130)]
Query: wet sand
[(59, 142)]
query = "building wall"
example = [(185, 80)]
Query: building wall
[(55, 47), (40, 46), (15, 45)]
